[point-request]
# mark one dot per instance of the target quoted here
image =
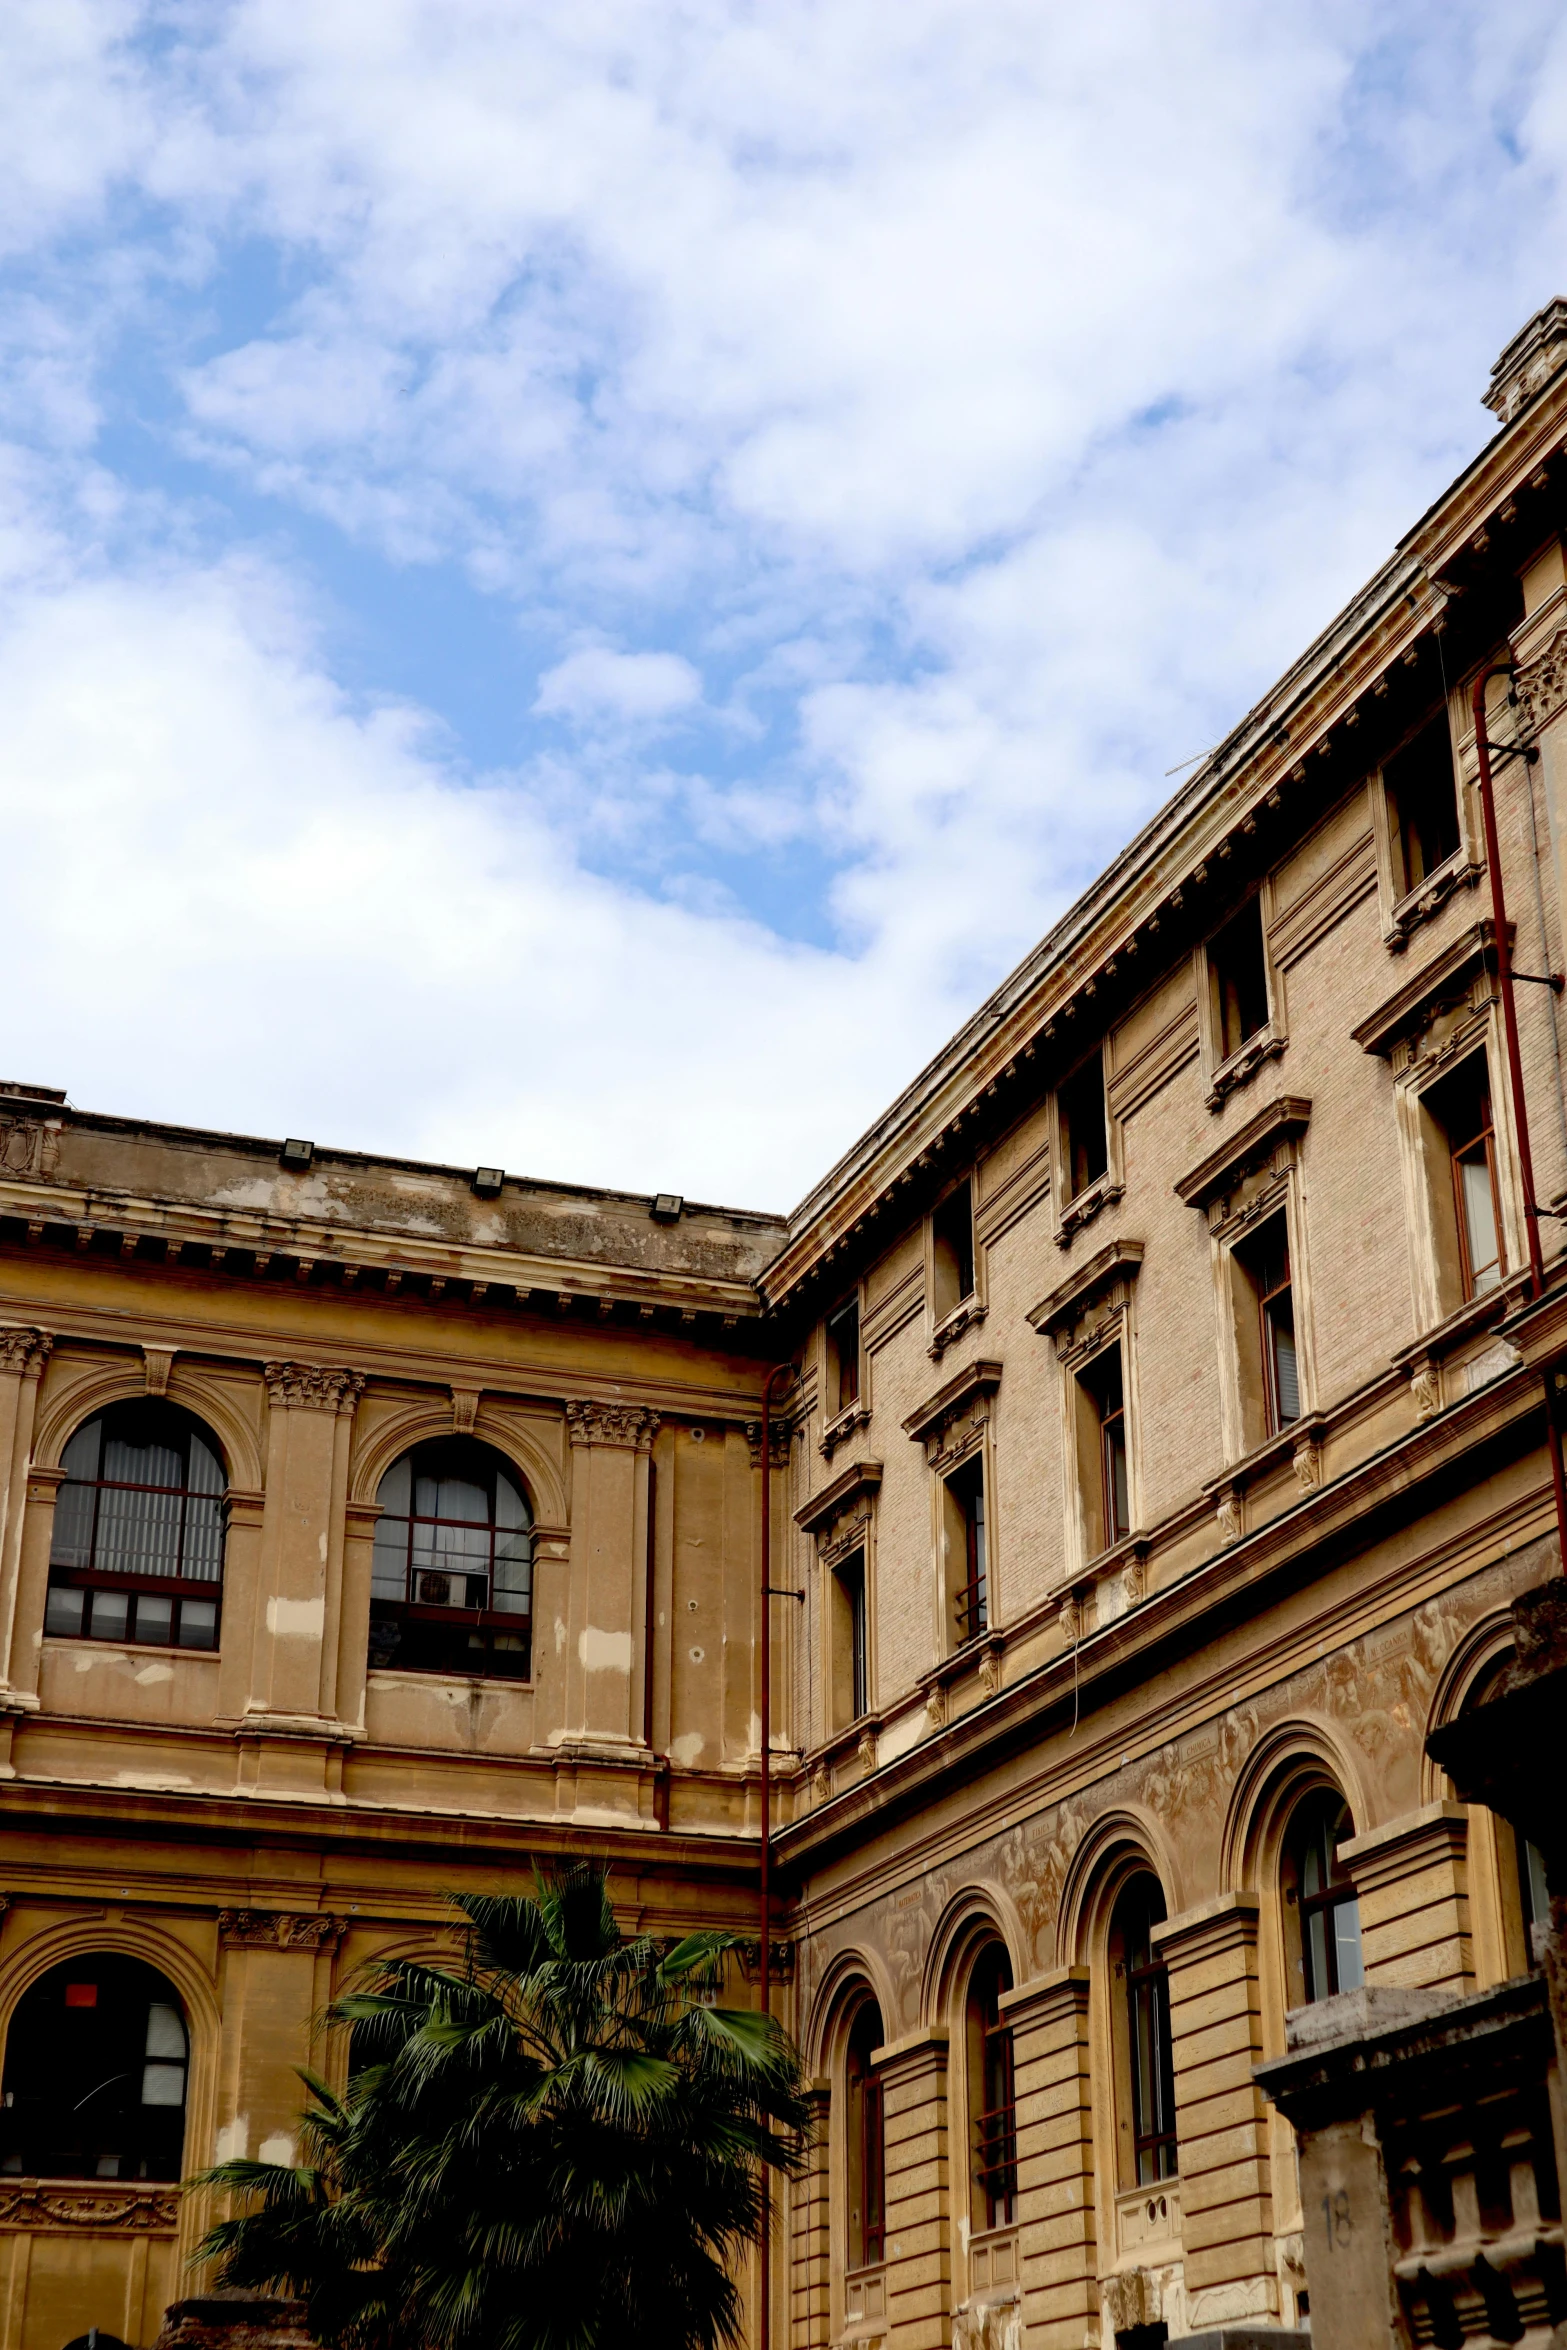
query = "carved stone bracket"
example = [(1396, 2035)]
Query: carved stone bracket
[(465, 1409), (1541, 687), (952, 1422), (779, 1433), (157, 1363), (24, 1350), (270, 1929), (138, 2211), (1080, 1314), (631, 1425), (838, 1430), (311, 1387), (780, 1960)]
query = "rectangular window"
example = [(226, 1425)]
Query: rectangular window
[(873, 2162), (952, 1251), (1238, 978), (850, 1648), (843, 1357), (1102, 1452), (968, 1592), (1085, 1137), (1458, 1111), (1422, 797), (1270, 1365)]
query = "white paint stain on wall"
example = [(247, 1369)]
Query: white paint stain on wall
[(688, 1749), (233, 2139), (151, 1673), (296, 1619), (277, 2149), (604, 1652)]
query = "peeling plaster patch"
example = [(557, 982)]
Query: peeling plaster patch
[(296, 1619), (560, 1635), (233, 2139), (323, 1545), (156, 1782), (753, 1736), (84, 1664), (604, 1652), (151, 1673), (688, 1750), (278, 2149)]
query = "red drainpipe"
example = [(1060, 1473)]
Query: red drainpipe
[(1504, 977)]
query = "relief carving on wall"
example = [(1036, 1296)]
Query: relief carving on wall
[(307, 1387), (29, 1149), (23, 1349), (135, 2212), (270, 1929), (1541, 687), (631, 1425), (778, 1434)]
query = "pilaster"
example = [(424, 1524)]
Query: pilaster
[(24, 1351), (1229, 2266), (276, 1976), (918, 2193), (810, 2241), (606, 1643), (1057, 2237), (1412, 1879)]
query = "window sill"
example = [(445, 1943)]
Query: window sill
[(1103, 1192), (72, 1643), (1267, 1045), (844, 1425), (967, 1314), (993, 2262), (1419, 904), (864, 2301)]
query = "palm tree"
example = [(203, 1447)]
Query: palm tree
[(557, 2145)]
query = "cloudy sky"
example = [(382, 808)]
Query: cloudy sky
[(579, 578)]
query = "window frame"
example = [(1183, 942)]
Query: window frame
[(1103, 1437), (485, 1627), (1336, 1892), (864, 2141), (181, 1591), (966, 1541), (841, 1359), (1405, 904), (991, 2067), (1230, 1063), (151, 1990), (1150, 2149)]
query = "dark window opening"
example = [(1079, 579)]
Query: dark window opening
[(1150, 2051), (1238, 975), (966, 1537), (452, 1582), (852, 1663), (952, 1251), (866, 2142), (1324, 1894), (1103, 1384), (1265, 1260), (137, 1553), (993, 2094), (1534, 1900), (1461, 1108), (95, 2071), (843, 1355), (1422, 792), (1085, 1138)]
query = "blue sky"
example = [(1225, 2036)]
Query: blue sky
[(578, 581)]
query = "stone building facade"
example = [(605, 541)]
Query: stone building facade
[(1168, 1434)]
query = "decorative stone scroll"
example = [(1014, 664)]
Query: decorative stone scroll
[(630, 1425), (952, 1422), (24, 1349), (309, 1387), (270, 1929), (1082, 1313), (138, 2211), (1541, 686)]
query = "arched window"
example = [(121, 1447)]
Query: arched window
[(138, 1531), (1320, 1891), (865, 2141), (1145, 2056), (452, 1585), (95, 2070), (992, 2106)]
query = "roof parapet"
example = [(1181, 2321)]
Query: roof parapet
[(1536, 353)]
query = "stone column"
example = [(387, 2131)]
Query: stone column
[(810, 2238), (1057, 2237), (918, 2195), (1411, 1878), (293, 1676), (23, 1354), (1221, 2117)]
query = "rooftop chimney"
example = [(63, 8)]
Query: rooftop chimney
[(1530, 360)]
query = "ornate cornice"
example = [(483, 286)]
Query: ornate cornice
[(270, 1929), (1277, 1123), (1114, 1267), (23, 1348), (630, 1425), (308, 1387)]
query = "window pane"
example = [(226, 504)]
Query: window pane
[(163, 2084), (396, 1488), (138, 1533), (1115, 1478), (1286, 1373), (511, 1507), (80, 1457), (73, 1512), (198, 1623), (203, 1555), (1474, 1174), (165, 2032), (206, 1471), (63, 1615), (451, 1497), (154, 1617), (110, 1614), (1319, 1980), (389, 1561), (1346, 1936)]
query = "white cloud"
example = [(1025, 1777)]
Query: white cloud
[(597, 683)]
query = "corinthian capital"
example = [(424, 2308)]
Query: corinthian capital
[(23, 1349), (306, 1387), (629, 1424)]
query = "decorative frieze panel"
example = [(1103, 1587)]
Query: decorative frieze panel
[(630, 1425), (270, 1929), (24, 1349), (1082, 1314), (1241, 1180), (1541, 686), (310, 1387), (952, 1422), (137, 2211)]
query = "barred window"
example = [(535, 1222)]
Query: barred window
[(138, 1531), (452, 1581)]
